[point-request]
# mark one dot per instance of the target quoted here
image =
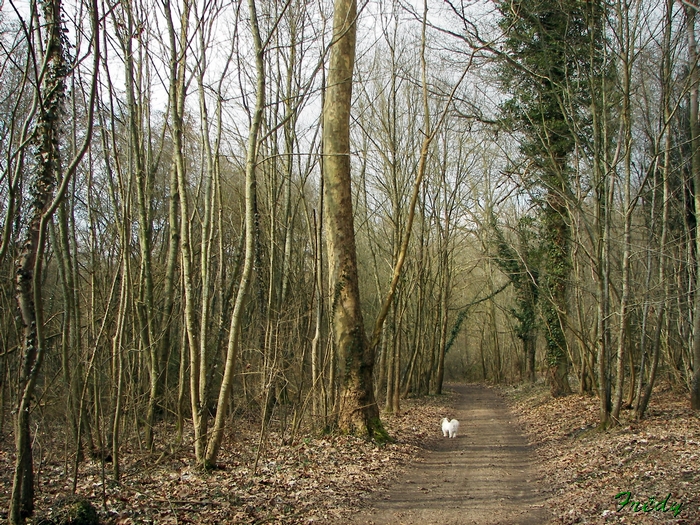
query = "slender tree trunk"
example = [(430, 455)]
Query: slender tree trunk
[(656, 343), (604, 189), (146, 305), (171, 267), (28, 267), (209, 175), (644, 394), (70, 323), (316, 361), (691, 11), (390, 348), (250, 233), (444, 318), (177, 108), (118, 356), (623, 332), (627, 54)]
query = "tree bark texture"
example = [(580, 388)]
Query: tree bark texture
[(695, 176), (358, 411), (250, 233), (28, 268)]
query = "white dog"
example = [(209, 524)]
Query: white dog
[(450, 428)]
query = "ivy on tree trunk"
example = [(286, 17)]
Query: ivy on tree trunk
[(29, 262), (547, 43)]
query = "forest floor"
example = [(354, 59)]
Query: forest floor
[(585, 468), (521, 457)]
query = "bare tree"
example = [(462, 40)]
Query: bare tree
[(250, 234), (48, 188), (358, 411)]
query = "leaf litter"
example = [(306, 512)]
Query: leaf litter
[(652, 464), (319, 478), (316, 478)]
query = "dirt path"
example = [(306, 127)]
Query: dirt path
[(484, 476)]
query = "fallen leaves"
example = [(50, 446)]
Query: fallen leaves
[(320, 478), (314, 479), (587, 468)]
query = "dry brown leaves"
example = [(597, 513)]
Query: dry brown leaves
[(314, 479), (587, 468), (319, 478)]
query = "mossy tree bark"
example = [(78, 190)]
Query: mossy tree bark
[(690, 15), (556, 269), (47, 190), (358, 412), (29, 263), (520, 265), (546, 43)]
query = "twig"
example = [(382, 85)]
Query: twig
[(184, 501)]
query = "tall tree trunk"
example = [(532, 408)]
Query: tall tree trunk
[(358, 411), (71, 320), (390, 348), (177, 108), (690, 11), (316, 361), (627, 29), (557, 241), (118, 353), (250, 233), (444, 281), (627, 209), (29, 263), (643, 395), (146, 304), (209, 175), (28, 267), (604, 191), (643, 400)]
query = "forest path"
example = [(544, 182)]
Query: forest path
[(484, 476)]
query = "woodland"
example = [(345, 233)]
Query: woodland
[(293, 218)]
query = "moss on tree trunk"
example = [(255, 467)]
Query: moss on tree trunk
[(358, 411)]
